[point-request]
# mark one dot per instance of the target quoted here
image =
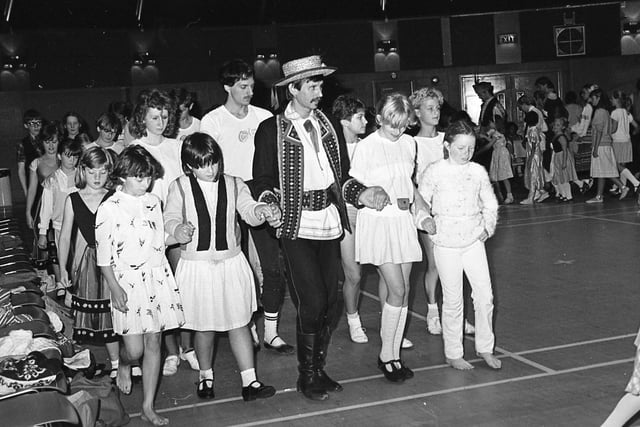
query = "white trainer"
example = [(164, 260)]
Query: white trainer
[(190, 358), (433, 326), (357, 334), (469, 329), (170, 366)]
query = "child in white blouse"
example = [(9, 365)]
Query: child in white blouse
[(388, 238), (465, 212)]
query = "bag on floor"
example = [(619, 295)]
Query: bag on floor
[(111, 412)]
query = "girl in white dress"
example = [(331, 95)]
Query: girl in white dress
[(130, 246), (465, 213), (388, 238), (215, 279)]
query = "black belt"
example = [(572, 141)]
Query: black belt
[(316, 200)]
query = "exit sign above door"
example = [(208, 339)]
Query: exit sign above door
[(508, 38)]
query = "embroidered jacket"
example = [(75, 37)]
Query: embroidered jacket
[(278, 170)]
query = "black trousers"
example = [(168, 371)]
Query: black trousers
[(312, 266), (273, 278)]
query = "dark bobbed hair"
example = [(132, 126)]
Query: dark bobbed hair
[(31, 114), (135, 161), (603, 102), (546, 81), (345, 106), (93, 158), (71, 146), (51, 129), (153, 98), (233, 71), (459, 127), (200, 150)]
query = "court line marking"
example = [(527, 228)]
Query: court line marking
[(600, 218), (421, 369), (498, 349), (433, 393)]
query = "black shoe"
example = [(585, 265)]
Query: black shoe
[(394, 375), (282, 349), (262, 392), (205, 389), (408, 373)]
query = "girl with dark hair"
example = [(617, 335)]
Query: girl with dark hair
[(185, 104), (90, 294), (130, 251), (215, 279), (465, 213)]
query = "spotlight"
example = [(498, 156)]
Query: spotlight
[(273, 56), (386, 46), (260, 57), (435, 80)]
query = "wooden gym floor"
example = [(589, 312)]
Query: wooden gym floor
[(565, 279)]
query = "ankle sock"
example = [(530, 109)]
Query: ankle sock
[(353, 319), (432, 311), (248, 376), (115, 364), (206, 374), (388, 326), (627, 175)]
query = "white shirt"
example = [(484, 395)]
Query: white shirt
[(167, 153), (192, 128), (54, 193), (623, 118), (235, 137), (430, 150), (582, 127)]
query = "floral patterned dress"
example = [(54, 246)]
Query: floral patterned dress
[(130, 238)]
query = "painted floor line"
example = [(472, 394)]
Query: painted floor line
[(600, 218), (575, 344), (498, 349), (432, 393)]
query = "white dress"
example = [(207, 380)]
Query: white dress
[(218, 295), (390, 235), (130, 238)]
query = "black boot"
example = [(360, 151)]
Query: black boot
[(320, 357), (308, 381)]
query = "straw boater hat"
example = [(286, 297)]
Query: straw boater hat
[(303, 68)]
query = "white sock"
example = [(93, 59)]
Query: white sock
[(432, 311), (388, 326), (248, 376), (397, 340), (354, 319), (115, 364), (270, 326), (206, 374), (627, 175)]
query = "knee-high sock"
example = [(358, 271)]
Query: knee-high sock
[(397, 340), (388, 326), (626, 175)]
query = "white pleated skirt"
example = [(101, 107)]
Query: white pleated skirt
[(385, 237), (216, 295), (604, 166)]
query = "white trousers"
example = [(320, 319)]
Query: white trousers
[(451, 263)]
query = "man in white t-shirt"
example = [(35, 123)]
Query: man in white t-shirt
[(233, 126)]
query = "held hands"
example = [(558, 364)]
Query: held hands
[(42, 241), (429, 225), (119, 298), (483, 236), (184, 233), (64, 278), (271, 213), (375, 198)]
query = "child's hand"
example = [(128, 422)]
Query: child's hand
[(184, 233), (42, 241), (29, 221), (375, 198), (64, 278), (119, 298), (483, 236), (429, 225), (271, 213)]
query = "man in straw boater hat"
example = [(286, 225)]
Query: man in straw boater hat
[(301, 166)]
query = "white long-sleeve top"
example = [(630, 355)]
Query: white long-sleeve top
[(55, 190), (462, 202), (430, 150), (582, 126)]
